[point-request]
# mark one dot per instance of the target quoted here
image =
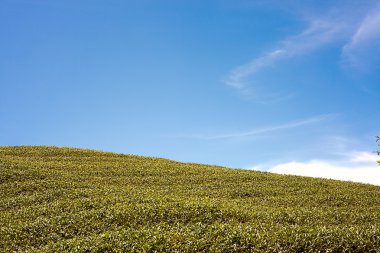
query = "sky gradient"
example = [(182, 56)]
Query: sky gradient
[(282, 86)]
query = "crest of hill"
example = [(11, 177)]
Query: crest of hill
[(58, 199)]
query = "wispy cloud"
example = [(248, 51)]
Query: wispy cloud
[(288, 125), (265, 130), (365, 42), (357, 33), (319, 33), (356, 167), (237, 77)]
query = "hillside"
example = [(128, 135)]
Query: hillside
[(75, 200)]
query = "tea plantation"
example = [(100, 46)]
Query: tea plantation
[(56, 199)]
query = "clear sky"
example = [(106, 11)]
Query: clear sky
[(279, 85)]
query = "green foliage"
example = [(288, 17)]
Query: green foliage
[(73, 200)]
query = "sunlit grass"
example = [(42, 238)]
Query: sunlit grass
[(75, 200)]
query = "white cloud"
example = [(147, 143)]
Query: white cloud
[(355, 29), (363, 47), (238, 75), (364, 157), (319, 33), (357, 167), (289, 125), (260, 131)]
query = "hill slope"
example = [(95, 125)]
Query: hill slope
[(65, 199)]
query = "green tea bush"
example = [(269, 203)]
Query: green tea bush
[(74, 200)]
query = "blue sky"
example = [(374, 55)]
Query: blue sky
[(269, 85)]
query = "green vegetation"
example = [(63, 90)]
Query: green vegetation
[(75, 200)]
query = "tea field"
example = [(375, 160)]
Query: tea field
[(55, 199)]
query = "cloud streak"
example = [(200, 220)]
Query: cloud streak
[(236, 78), (319, 33), (357, 38), (365, 40), (265, 130)]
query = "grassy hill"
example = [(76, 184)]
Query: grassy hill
[(75, 200)]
